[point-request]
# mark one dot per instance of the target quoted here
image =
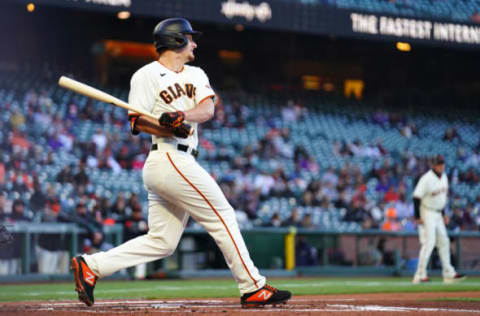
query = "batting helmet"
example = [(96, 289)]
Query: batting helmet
[(170, 33)]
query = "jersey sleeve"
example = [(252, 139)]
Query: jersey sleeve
[(421, 188), (204, 90), (139, 96)]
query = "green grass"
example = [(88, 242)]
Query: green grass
[(214, 288)]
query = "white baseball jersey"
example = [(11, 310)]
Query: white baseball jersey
[(157, 89), (432, 190)]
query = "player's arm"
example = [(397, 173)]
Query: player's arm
[(202, 112), (418, 194), (141, 123), (416, 207)]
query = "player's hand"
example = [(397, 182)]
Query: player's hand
[(182, 131), (419, 221), (171, 119)]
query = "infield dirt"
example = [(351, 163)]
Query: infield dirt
[(355, 304)]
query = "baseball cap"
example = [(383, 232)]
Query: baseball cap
[(438, 160)]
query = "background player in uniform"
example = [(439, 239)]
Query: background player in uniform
[(430, 198), (178, 187)]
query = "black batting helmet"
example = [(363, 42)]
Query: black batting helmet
[(170, 33)]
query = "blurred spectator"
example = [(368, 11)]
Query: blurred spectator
[(81, 177), (17, 119), (135, 226), (305, 254), (10, 254), (275, 221), (408, 130), (403, 207), (96, 243), (330, 176), (391, 195), (380, 117), (100, 140), (293, 219), (38, 200), (456, 219), (451, 134), (383, 184), (376, 214), (85, 220), (292, 112), (264, 182), (307, 221), (370, 255), (124, 157), (54, 143), (66, 139), (65, 175), (356, 212), (53, 201), (342, 202), (52, 249), (474, 159), (18, 212), (388, 256)]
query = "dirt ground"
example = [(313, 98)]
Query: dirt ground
[(355, 304)]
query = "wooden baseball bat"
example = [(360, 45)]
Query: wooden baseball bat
[(91, 92)]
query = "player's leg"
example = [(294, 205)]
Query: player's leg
[(426, 234), (443, 245), (166, 225), (197, 193), (203, 199)]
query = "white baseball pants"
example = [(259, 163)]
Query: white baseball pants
[(431, 233), (178, 187)]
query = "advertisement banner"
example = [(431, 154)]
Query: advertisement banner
[(291, 16)]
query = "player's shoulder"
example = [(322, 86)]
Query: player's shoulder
[(146, 70), (194, 70), (426, 175)]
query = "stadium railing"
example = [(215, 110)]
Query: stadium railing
[(269, 249)]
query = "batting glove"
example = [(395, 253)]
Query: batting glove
[(182, 131), (172, 119)]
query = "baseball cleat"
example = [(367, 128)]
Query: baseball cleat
[(85, 280), (455, 279), (267, 295), (420, 280)]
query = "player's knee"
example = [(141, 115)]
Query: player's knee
[(430, 245), (443, 241), (170, 249), (167, 247)]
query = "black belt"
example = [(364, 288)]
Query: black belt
[(180, 147)]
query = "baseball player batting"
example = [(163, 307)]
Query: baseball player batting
[(178, 187), (430, 198)]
